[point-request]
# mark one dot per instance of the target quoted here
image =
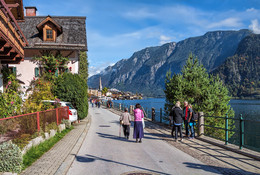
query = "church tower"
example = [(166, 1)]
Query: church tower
[(100, 84)]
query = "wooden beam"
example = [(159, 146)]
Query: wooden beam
[(6, 51), (10, 57), (12, 5), (16, 61)]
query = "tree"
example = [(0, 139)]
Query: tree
[(104, 90), (83, 66), (206, 92), (71, 88)]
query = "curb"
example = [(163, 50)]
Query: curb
[(229, 148), (64, 167)]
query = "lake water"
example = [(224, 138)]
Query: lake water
[(250, 109)]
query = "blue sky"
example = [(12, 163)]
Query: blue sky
[(118, 28)]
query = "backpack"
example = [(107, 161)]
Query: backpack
[(195, 116)]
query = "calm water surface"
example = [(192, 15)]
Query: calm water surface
[(250, 109)]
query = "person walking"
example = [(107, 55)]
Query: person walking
[(125, 120), (178, 120), (186, 115), (191, 122), (138, 124)]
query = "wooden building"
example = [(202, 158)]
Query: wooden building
[(12, 39)]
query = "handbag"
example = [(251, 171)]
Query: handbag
[(121, 122), (143, 123)]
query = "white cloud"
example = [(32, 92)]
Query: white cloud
[(228, 22), (254, 26), (164, 39), (251, 10), (139, 14)]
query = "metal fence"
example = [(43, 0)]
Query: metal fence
[(13, 127), (238, 131)]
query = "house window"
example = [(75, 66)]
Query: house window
[(49, 34), (36, 71)]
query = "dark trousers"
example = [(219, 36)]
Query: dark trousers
[(126, 129), (173, 129), (178, 129), (187, 127)]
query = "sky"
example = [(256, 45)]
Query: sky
[(118, 28)]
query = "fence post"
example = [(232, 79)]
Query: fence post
[(153, 114), (201, 124), (38, 121), (57, 116), (226, 129), (160, 115), (68, 113), (242, 130)]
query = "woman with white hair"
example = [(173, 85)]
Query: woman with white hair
[(177, 118)]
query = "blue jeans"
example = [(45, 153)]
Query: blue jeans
[(191, 125)]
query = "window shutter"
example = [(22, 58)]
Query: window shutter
[(36, 71), (14, 70), (56, 72)]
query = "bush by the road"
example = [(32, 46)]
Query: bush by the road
[(71, 88), (10, 158)]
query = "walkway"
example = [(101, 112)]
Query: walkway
[(60, 157), (103, 152)]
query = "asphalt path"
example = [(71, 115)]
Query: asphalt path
[(104, 152)]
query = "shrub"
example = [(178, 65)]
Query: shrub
[(71, 88), (67, 123), (10, 158), (51, 126), (39, 90), (10, 100), (22, 141)]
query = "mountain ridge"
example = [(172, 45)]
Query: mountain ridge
[(145, 70)]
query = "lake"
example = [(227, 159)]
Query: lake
[(250, 109)]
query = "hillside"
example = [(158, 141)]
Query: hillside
[(241, 72), (145, 70)]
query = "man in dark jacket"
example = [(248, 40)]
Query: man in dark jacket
[(177, 118)]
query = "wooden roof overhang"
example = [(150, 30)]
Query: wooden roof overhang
[(12, 39)]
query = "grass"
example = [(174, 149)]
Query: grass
[(36, 152)]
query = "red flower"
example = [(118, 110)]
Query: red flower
[(33, 78), (49, 70), (70, 68)]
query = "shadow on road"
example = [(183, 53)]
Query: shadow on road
[(109, 136), (90, 158), (221, 170)]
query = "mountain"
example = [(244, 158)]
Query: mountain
[(241, 72), (145, 70)]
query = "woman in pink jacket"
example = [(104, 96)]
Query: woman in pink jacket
[(138, 125)]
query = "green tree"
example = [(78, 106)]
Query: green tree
[(71, 88), (206, 92), (104, 90), (83, 66)]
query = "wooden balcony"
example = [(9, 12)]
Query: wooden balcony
[(12, 39)]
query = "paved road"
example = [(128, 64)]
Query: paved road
[(103, 152)]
